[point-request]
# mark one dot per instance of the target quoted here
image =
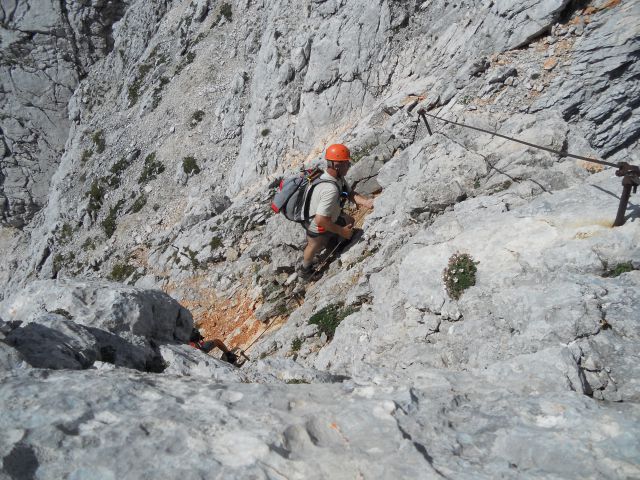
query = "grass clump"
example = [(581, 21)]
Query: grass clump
[(296, 344), (197, 117), (89, 244), (116, 170), (119, 167), (65, 234), (139, 204), (265, 132), (109, 224), (134, 91), (86, 155), (157, 92), (152, 168), (191, 255), (215, 242), (121, 271), (96, 197), (99, 141), (619, 269), (226, 12), (190, 166), (136, 85), (459, 274), (61, 261), (188, 58), (330, 317)]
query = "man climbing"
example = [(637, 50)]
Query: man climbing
[(327, 221), (198, 341)]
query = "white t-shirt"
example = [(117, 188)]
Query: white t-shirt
[(325, 199)]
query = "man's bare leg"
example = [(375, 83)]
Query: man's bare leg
[(314, 246)]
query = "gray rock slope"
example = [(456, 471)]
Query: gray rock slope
[(175, 120), (46, 50)]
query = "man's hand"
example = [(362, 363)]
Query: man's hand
[(347, 232), (362, 201)]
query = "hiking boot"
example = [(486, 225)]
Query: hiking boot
[(305, 273)]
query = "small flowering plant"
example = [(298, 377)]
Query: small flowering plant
[(460, 274)]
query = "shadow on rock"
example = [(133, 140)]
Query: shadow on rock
[(62, 344)]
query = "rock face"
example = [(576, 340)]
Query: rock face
[(432, 429), (186, 116), (46, 51), (71, 325)]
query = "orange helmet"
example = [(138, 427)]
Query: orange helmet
[(337, 153)]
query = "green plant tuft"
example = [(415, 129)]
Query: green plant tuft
[(99, 141), (152, 168), (330, 317), (65, 234), (619, 269), (157, 92), (215, 242), (89, 244), (61, 261), (188, 58), (190, 166), (138, 205), (191, 255), (121, 271), (96, 196), (226, 11), (109, 224), (459, 274), (296, 344), (265, 132), (144, 69), (86, 155), (197, 117), (119, 167)]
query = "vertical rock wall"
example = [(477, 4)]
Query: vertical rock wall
[(46, 48)]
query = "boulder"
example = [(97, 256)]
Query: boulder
[(111, 307)]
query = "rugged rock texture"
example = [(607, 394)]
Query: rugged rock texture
[(46, 49), (71, 325), (445, 425), (176, 139)]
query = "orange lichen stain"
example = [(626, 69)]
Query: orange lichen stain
[(550, 63), (590, 167), (412, 98), (228, 319), (610, 4)]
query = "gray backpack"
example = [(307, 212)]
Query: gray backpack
[(293, 195)]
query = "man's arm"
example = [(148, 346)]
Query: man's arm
[(326, 224)]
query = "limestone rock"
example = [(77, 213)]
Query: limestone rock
[(111, 307), (185, 360)]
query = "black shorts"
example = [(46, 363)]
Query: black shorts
[(341, 221)]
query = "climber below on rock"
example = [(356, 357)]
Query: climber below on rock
[(198, 341), (327, 221)]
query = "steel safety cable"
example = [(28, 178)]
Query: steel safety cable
[(422, 113)]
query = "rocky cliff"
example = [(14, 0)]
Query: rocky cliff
[(142, 149)]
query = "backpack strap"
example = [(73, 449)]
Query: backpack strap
[(307, 202)]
